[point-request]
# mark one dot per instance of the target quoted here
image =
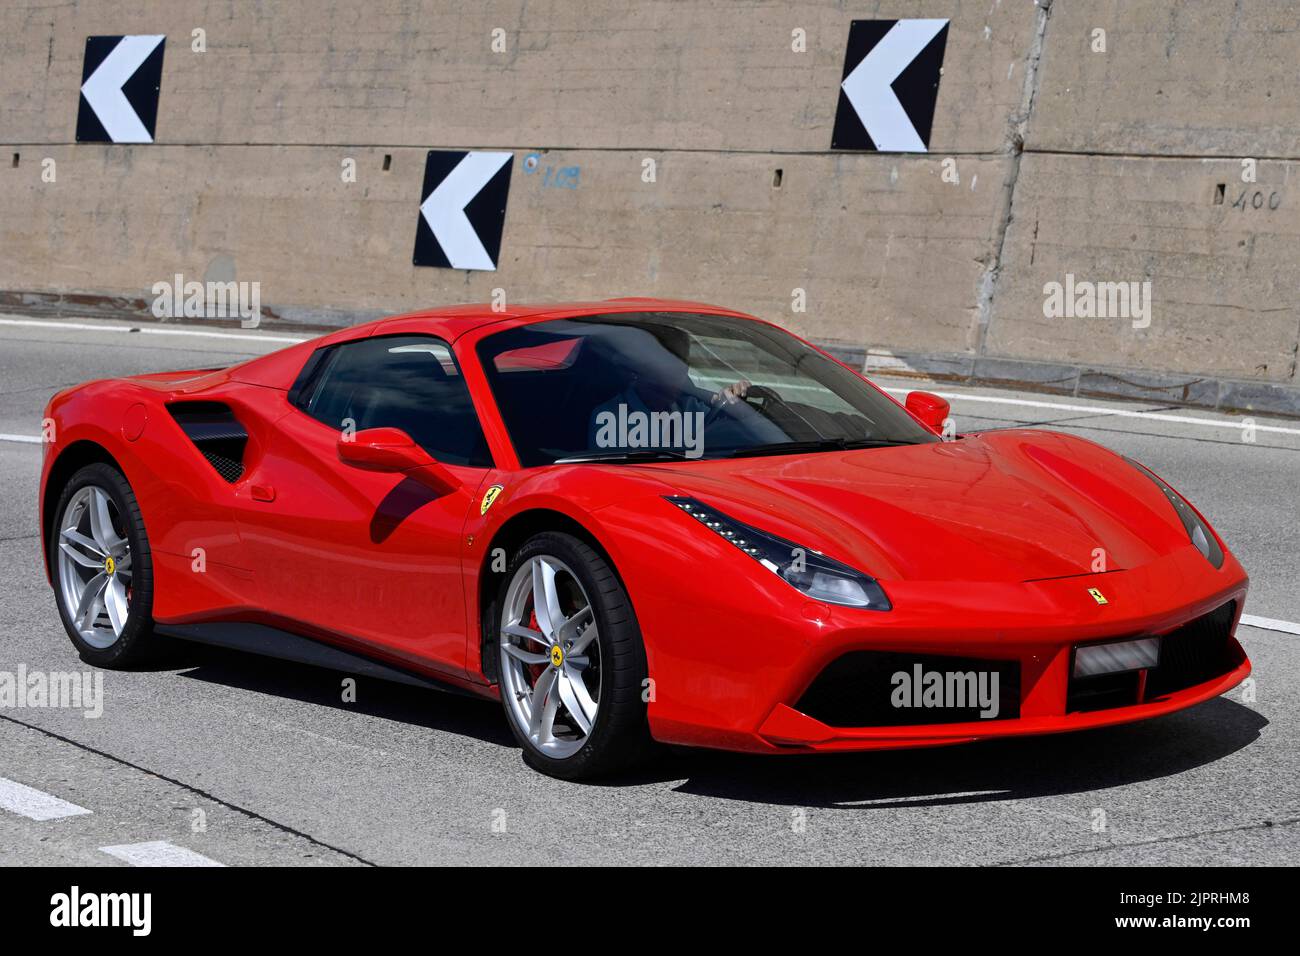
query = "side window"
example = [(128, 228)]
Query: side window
[(411, 382)]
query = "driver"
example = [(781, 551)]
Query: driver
[(659, 382)]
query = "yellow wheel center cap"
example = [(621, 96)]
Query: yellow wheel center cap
[(109, 565), (557, 655)]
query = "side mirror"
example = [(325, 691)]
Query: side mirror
[(929, 408), (392, 450)]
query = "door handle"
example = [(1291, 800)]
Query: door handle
[(262, 493)]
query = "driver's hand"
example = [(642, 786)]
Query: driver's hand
[(733, 392)]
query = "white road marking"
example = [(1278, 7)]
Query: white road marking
[(26, 439), (1100, 410), (1270, 624), (147, 330), (158, 853), (35, 804)]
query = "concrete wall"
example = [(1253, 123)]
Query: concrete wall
[(1123, 154), (1133, 170)]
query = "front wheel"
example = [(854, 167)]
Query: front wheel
[(102, 568), (572, 663)]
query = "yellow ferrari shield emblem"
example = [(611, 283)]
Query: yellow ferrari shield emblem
[(489, 496), (557, 655), (1098, 596)]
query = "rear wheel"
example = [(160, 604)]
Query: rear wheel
[(102, 569), (571, 661)]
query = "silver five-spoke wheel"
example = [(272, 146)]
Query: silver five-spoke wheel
[(550, 657), (94, 566)]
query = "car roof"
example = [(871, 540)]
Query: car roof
[(278, 369), (453, 321)]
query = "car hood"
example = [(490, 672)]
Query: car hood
[(1015, 505)]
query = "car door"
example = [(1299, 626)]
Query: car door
[(369, 556)]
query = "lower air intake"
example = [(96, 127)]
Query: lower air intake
[(887, 689), (1199, 651)]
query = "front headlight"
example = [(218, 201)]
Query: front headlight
[(1197, 529), (805, 570)]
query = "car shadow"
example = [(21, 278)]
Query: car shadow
[(1008, 769), (418, 706)]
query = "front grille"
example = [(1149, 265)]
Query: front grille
[(862, 689), (1199, 651)]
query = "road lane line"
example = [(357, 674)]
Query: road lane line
[(25, 439), (157, 853), (1270, 624), (147, 330), (1100, 410), (35, 804)]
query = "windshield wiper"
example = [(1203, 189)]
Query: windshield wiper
[(819, 444), (648, 454)]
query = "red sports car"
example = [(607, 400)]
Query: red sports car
[(634, 521)]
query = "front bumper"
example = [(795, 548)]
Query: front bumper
[(709, 697), (789, 729)]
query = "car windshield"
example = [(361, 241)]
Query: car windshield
[(673, 385)]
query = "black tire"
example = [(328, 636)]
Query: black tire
[(620, 736), (137, 642)]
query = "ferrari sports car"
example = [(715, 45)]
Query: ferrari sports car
[(634, 521)]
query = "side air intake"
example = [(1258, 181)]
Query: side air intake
[(216, 433)]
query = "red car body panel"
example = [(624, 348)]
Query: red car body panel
[(986, 546)]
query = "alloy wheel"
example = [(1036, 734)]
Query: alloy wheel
[(94, 566), (550, 657)]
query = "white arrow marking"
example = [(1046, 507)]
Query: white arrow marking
[(868, 86), (103, 91), (444, 210)]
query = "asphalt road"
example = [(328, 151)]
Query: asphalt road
[(222, 758)]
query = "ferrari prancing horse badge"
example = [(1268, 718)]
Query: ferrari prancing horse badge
[(489, 496)]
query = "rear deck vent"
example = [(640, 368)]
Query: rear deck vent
[(216, 433)]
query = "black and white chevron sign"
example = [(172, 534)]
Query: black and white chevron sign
[(891, 82), (119, 89), (462, 209)]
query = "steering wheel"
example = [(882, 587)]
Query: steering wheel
[(759, 396)]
